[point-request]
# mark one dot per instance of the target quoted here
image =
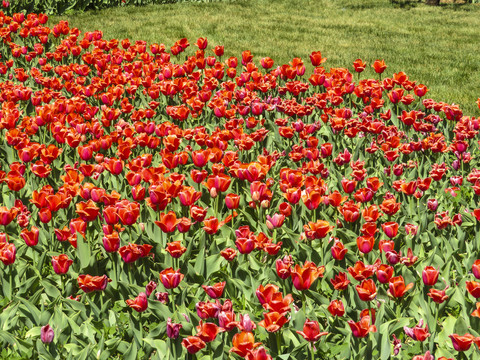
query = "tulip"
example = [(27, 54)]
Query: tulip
[(340, 281), (46, 334), (243, 343), (311, 331), (232, 201), (228, 254), (390, 229), (462, 343), (208, 331), (175, 249), (89, 283), (432, 204), (418, 333), (226, 320), (246, 324), (362, 328), (173, 330), (273, 321), (61, 263), (275, 221), (397, 287), (338, 250), (193, 344), (367, 291), (438, 296), (476, 269), (336, 308), (430, 275), (265, 294), (473, 287), (284, 267), (215, 291), (8, 253), (171, 278), (365, 243), (152, 285), (139, 304), (303, 277), (384, 273), (162, 297), (30, 236)]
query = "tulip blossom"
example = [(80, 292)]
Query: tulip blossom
[(397, 287), (139, 304), (362, 328), (193, 344), (311, 331), (46, 334), (173, 330), (303, 277), (171, 278), (61, 263), (273, 321), (215, 291), (418, 333)]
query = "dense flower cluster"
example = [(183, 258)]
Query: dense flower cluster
[(307, 205)]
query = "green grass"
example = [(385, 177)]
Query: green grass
[(437, 46)]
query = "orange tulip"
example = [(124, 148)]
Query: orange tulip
[(303, 277), (273, 321), (397, 287)]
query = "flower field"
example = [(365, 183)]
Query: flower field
[(167, 202)]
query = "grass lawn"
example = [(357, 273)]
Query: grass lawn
[(437, 46)]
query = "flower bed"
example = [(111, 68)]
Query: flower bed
[(164, 202)]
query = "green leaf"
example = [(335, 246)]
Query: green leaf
[(131, 353), (83, 251)]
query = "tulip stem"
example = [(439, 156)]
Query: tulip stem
[(277, 335), (312, 352)]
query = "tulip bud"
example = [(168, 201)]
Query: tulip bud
[(47, 334), (432, 204), (152, 285), (173, 330), (162, 297)]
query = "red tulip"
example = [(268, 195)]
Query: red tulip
[(473, 288), (168, 222), (362, 328), (397, 287), (273, 321), (228, 254), (462, 343), (303, 277), (438, 296), (7, 253), (176, 249), (390, 229), (338, 250), (215, 291), (340, 281), (89, 283), (430, 275), (311, 331), (193, 344), (243, 343), (30, 236), (367, 291), (171, 278), (139, 304), (384, 273), (379, 66), (336, 308), (265, 294), (208, 331), (284, 267), (61, 263), (476, 269), (365, 243)]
